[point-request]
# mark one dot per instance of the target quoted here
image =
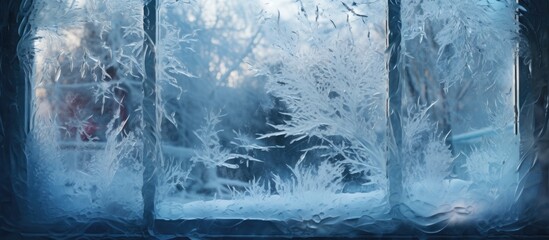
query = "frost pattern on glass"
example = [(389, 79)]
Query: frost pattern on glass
[(84, 142), (276, 110), (459, 78)]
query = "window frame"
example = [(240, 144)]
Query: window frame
[(13, 138)]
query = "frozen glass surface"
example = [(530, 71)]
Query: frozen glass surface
[(273, 110), (83, 145), (292, 118), (460, 145)]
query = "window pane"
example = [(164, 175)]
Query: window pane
[(460, 147), (83, 146), (273, 110)]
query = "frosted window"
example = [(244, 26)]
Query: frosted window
[(278, 117), (460, 146), (273, 110), (83, 146)]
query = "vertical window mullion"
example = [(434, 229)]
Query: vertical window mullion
[(394, 130), (151, 130)]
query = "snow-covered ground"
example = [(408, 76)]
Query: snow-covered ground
[(426, 202), (275, 207)]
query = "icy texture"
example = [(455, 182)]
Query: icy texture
[(209, 98), (83, 146), (337, 207), (275, 112), (293, 97), (332, 84), (466, 167)]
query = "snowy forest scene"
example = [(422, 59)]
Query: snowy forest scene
[(287, 118)]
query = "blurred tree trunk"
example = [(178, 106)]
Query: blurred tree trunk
[(423, 80)]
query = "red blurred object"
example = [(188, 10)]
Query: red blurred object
[(90, 128)]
